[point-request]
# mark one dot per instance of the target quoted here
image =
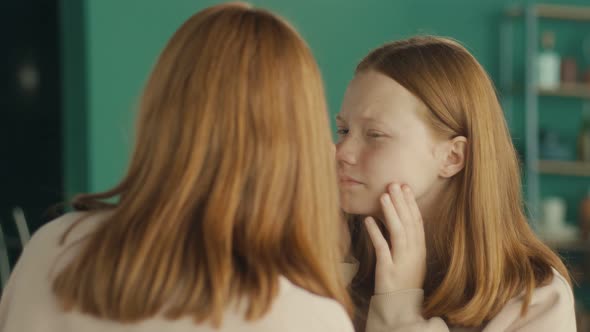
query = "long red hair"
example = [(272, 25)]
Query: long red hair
[(481, 250), (231, 183)]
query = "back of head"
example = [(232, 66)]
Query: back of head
[(481, 250), (231, 183)]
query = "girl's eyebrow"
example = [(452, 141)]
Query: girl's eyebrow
[(365, 118), (370, 119)]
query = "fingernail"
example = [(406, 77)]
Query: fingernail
[(396, 187), (384, 198)]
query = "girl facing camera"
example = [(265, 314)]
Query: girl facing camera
[(430, 180)]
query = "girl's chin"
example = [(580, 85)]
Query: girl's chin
[(359, 211)]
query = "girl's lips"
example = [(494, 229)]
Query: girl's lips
[(347, 180)]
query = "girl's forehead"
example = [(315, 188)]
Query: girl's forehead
[(380, 111), (375, 93)]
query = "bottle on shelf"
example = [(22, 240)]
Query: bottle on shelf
[(569, 70), (549, 63)]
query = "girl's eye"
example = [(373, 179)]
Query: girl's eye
[(342, 131), (374, 134)]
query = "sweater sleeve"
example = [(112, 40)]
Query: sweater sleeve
[(401, 312), (551, 309), (7, 295)]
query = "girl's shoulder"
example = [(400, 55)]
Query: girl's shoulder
[(551, 309), (76, 224)]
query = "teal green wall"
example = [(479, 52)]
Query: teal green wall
[(121, 40), (107, 60), (125, 37)]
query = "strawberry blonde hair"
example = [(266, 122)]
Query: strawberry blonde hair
[(231, 183), (481, 250)]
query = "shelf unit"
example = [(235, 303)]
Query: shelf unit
[(532, 15), (571, 246)]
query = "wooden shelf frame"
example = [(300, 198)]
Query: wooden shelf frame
[(556, 12), (569, 168)]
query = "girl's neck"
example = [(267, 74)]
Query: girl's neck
[(429, 203)]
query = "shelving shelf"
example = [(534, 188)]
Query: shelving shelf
[(572, 246), (532, 16), (568, 168), (557, 12), (575, 90)]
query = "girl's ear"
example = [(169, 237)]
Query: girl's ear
[(454, 157)]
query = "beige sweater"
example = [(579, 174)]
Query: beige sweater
[(28, 304), (551, 310)]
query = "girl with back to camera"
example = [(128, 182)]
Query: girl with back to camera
[(225, 218)]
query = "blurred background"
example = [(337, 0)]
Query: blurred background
[(72, 71)]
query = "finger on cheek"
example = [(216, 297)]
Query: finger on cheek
[(379, 243), (397, 195), (408, 194), (391, 189), (391, 217), (412, 204)]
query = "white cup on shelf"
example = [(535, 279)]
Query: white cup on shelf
[(554, 209)]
